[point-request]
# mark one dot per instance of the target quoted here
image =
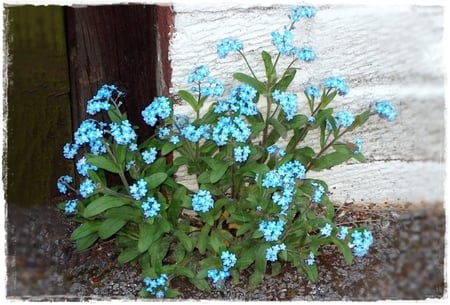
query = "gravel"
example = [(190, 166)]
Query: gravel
[(406, 262)]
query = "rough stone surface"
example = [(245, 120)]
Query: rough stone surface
[(406, 262)]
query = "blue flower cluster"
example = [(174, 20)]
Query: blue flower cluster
[(288, 102), (209, 86), (87, 187), (89, 132), (325, 231), (83, 166), (361, 242), (337, 83), (124, 133), (218, 276), (318, 192), (386, 110), (139, 189), (149, 155), (306, 54), (160, 107), (272, 252), (235, 127), (70, 207), (284, 42), (302, 12), (150, 207), (241, 153), (193, 134), (202, 201), (285, 175), (272, 230), (310, 260), (61, 183), (344, 119), (342, 234), (156, 287), (275, 150), (101, 100), (70, 150), (312, 91), (359, 145), (241, 100), (284, 199), (228, 45)]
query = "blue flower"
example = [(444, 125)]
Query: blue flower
[(284, 199), (218, 276), (275, 149), (386, 110), (361, 242), (310, 260), (70, 150), (306, 54), (70, 207), (193, 134), (325, 231), (228, 45), (83, 166), (272, 252), (198, 74), (241, 100), (88, 132), (311, 119), (302, 12), (284, 42), (149, 155), (101, 100), (202, 201), (133, 147), (288, 102), (342, 234), (61, 183), (241, 153), (226, 127), (338, 83), (344, 119), (312, 91), (150, 207), (87, 188), (129, 165), (359, 145), (156, 287), (318, 192), (272, 230), (160, 107), (139, 189), (210, 87), (163, 133), (174, 139), (228, 260), (124, 133)]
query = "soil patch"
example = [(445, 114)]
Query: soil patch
[(406, 261)]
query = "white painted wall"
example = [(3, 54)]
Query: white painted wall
[(394, 52)]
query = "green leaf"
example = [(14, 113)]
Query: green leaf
[(121, 153), (276, 268), (167, 147), (188, 97), (203, 239), (102, 162), (128, 255), (326, 99), (115, 116), (85, 229), (171, 293), (179, 253), (104, 203), (255, 279), (298, 121), (146, 236), (86, 241), (330, 160), (259, 86), (110, 227), (96, 177), (344, 248), (185, 240), (201, 284), (286, 80), (184, 271), (278, 127), (311, 272), (260, 258), (155, 180), (271, 74), (126, 213), (218, 169)]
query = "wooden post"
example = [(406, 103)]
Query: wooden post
[(116, 44)]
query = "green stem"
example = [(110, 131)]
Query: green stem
[(266, 125), (247, 63), (121, 174)]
